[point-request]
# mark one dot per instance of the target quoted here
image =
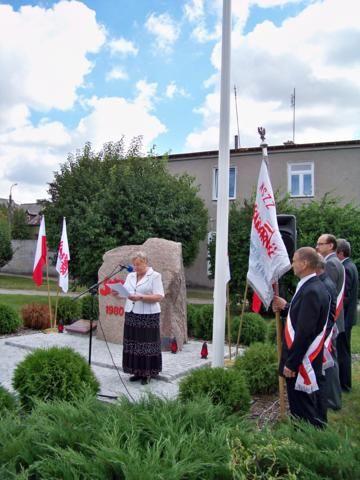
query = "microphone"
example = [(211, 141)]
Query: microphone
[(129, 268)]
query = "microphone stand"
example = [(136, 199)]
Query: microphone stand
[(93, 290)]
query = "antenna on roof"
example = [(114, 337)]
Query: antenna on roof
[(237, 137), (293, 103)]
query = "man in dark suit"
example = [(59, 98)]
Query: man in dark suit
[(328, 361), (302, 353), (326, 246), (350, 312)]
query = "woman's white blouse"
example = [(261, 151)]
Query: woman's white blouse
[(150, 284)]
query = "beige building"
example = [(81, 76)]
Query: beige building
[(306, 172)]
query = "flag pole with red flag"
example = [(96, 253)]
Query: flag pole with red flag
[(41, 259), (268, 259)]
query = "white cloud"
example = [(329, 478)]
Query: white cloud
[(116, 73), (123, 47), (113, 117), (316, 52), (165, 30), (194, 9), (173, 90), (45, 61)]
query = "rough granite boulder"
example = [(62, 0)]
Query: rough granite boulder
[(165, 257)]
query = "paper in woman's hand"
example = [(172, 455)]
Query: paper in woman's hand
[(120, 289)]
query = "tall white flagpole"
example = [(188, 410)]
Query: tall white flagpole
[(222, 219)]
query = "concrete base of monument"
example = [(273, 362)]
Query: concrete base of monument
[(81, 327), (108, 368)]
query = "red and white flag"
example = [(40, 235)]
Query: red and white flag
[(40, 254), (268, 259), (62, 263)]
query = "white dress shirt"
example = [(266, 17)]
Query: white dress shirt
[(150, 284)]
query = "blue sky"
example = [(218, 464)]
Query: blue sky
[(77, 71)]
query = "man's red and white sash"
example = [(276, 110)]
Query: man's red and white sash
[(328, 360), (306, 378)]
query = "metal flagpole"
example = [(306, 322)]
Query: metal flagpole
[(222, 220)]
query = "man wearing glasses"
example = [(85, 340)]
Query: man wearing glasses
[(326, 246)]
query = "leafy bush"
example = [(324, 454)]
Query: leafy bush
[(54, 373), (225, 387), (9, 320), (68, 310), (90, 307), (200, 321), (259, 366), (253, 329), (149, 439), (7, 401), (36, 315)]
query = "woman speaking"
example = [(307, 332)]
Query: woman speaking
[(142, 344)]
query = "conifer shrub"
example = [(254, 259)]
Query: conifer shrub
[(90, 307), (254, 328), (271, 333), (36, 316), (222, 386), (54, 373), (9, 320), (259, 365), (200, 320), (7, 401), (68, 310)]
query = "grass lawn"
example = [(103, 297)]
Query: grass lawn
[(349, 415), (24, 283), (202, 293), (18, 301), (355, 338)]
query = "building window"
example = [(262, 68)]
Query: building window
[(232, 183), (301, 179)]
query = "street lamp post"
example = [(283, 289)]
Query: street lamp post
[(10, 203)]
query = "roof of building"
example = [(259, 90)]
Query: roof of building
[(272, 148)]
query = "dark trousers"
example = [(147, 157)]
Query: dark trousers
[(307, 406), (344, 359)]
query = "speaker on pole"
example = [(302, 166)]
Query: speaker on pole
[(287, 228)]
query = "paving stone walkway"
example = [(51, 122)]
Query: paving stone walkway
[(113, 381)]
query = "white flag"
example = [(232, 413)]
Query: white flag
[(268, 259), (62, 263), (227, 274)]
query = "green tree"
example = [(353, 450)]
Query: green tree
[(6, 252), (19, 227), (327, 215), (117, 197)]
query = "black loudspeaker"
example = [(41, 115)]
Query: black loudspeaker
[(287, 227)]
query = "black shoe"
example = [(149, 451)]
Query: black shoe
[(134, 378), (145, 380)]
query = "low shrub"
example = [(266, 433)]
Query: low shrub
[(36, 315), (7, 401), (259, 365), (294, 451), (90, 307), (253, 329), (68, 310), (148, 439), (225, 387), (54, 373), (9, 320)]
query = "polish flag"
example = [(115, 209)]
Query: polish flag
[(62, 263), (40, 255)]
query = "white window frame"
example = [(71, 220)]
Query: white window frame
[(301, 174), (214, 192)]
